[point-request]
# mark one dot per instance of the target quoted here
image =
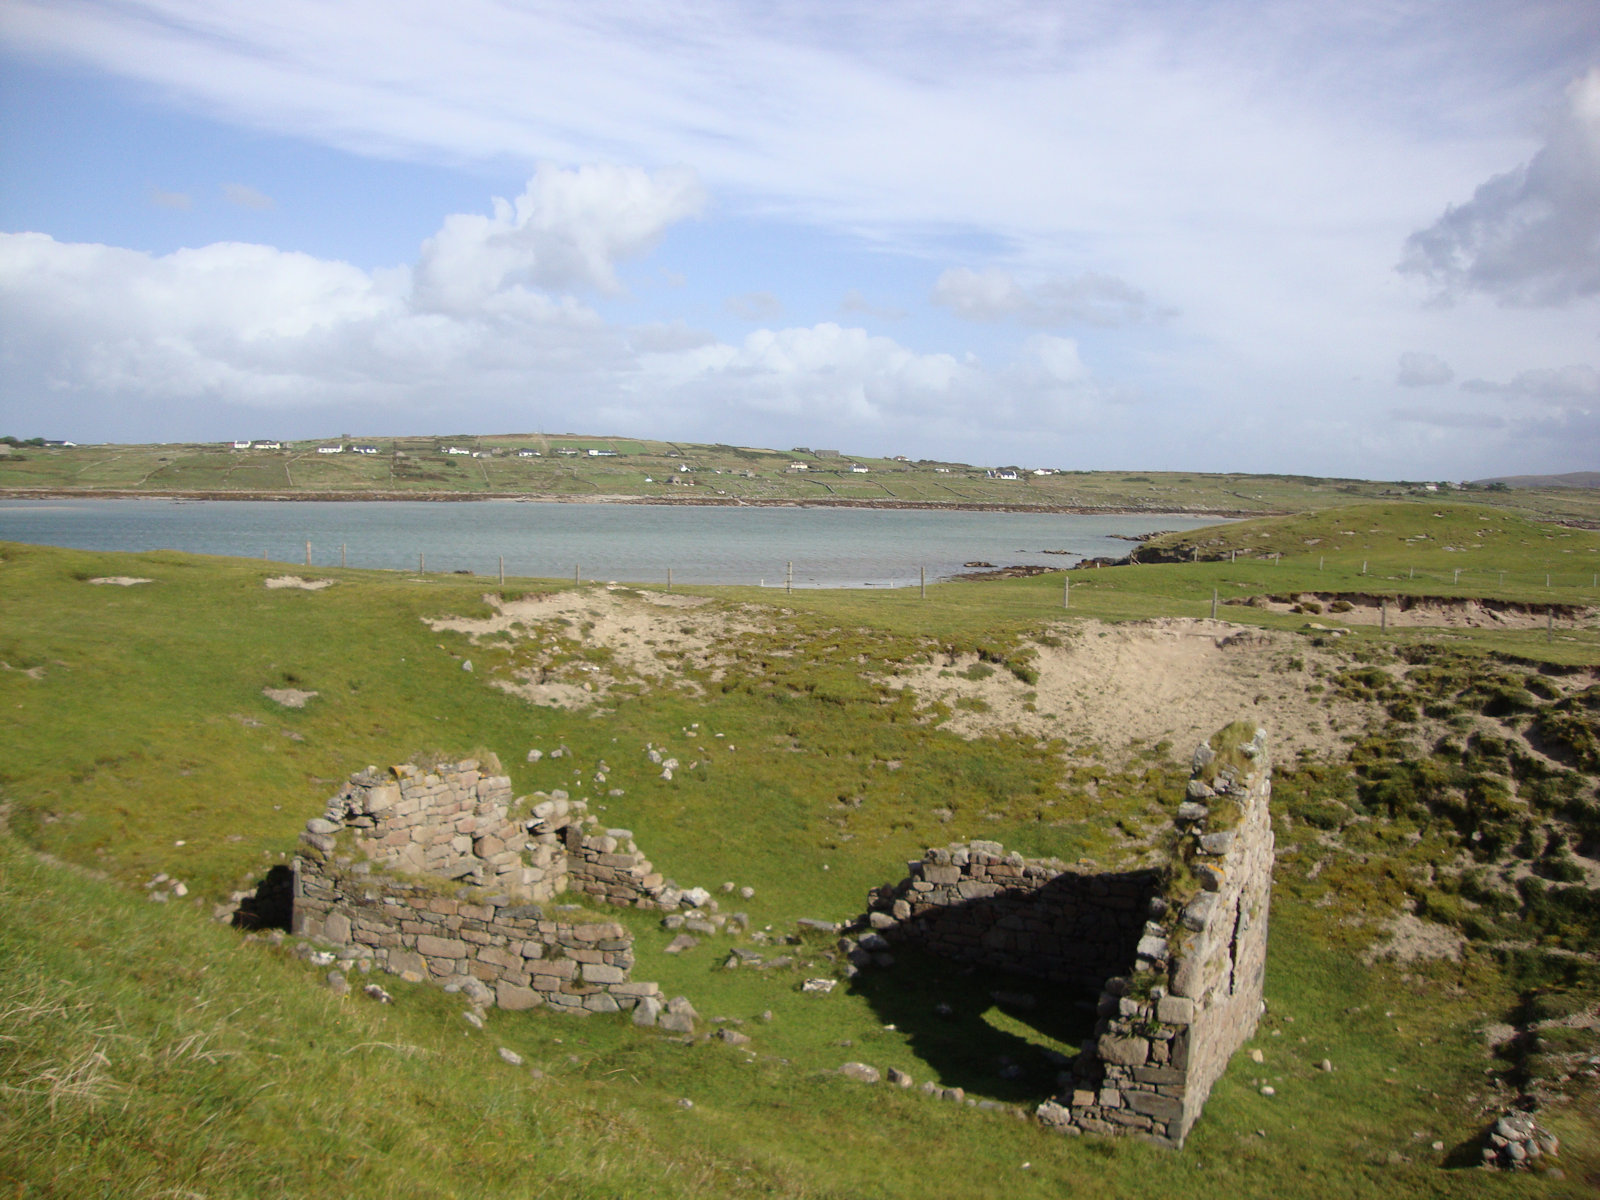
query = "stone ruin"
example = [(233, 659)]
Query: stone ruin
[(1177, 955), (426, 873)]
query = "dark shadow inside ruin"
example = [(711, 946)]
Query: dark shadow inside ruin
[(271, 905), (996, 1034), (999, 993)]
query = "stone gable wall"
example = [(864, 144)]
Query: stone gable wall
[(1179, 957)]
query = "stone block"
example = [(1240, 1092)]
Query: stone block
[(1151, 947), (1124, 1051), (646, 1011), (675, 1022), (496, 957), (1175, 1010), (603, 973), (1156, 1106), (336, 928), (1169, 1080), (516, 999), (382, 798), (438, 947)]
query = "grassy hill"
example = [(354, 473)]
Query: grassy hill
[(580, 467), (147, 1050)]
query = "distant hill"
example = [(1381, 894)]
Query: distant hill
[(1573, 479)]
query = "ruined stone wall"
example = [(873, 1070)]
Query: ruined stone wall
[(450, 822), (427, 874), (977, 903), (1178, 955), (1193, 995)]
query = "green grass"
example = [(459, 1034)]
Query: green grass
[(136, 722), (411, 465)]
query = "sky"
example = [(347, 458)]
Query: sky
[(1357, 239)]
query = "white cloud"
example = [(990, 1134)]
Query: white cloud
[(1532, 235), (246, 196), (996, 295), (1443, 418), (856, 302), (1422, 370), (165, 199), (826, 371), (568, 229), (754, 306), (1576, 383), (1059, 356)]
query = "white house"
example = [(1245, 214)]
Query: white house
[(798, 467), (1006, 475), (857, 469), (265, 445), (330, 449), (527, 453), (365, 449), (456, 450), (602, 454), (244, 445)]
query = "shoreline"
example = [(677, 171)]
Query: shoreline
[(382, 497)]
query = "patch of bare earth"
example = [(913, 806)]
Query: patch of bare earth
[(1407, 938), (120, 580), (294, 581), (1410, 612), (1171, 678), (288, 697), (650, 635)]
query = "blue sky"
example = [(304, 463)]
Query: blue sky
[(1356, 239)]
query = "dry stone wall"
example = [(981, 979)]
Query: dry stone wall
[(977, 903), (1178, 956), (427, 873)]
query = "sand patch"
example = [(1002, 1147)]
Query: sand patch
[(288, 697), (647, 635), (1172, 678), (120, 580), (1408, 939), (294, 581), (1427, 611)]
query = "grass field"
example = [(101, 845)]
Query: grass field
[(146, 1050), (638, 469)]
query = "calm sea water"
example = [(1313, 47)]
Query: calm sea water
[(625, 542)]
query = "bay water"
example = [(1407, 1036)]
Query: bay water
[(828, 547)]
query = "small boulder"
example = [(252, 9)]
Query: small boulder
[(860, 1072)]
